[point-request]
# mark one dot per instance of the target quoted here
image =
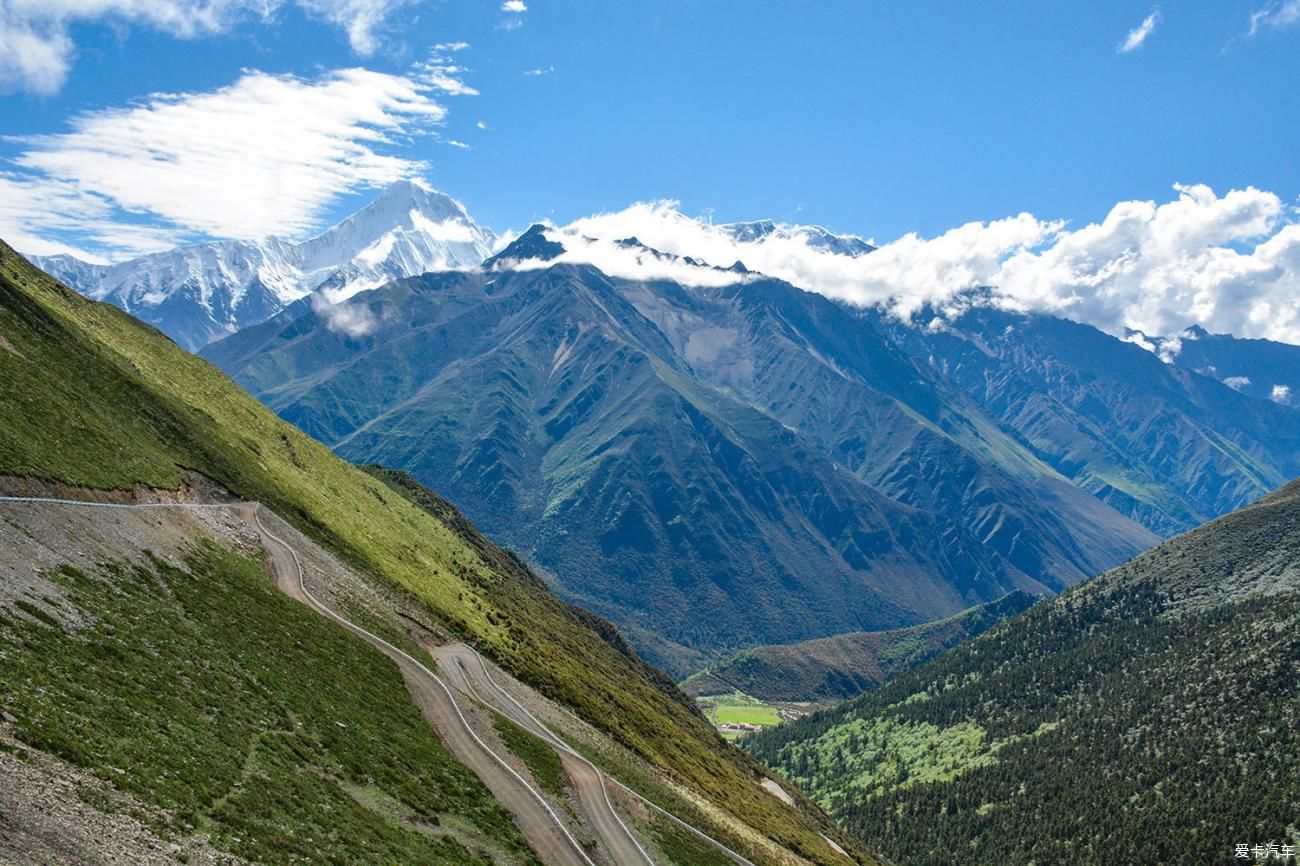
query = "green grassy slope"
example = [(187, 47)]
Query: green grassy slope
[(840, 667), (203, 693), (1147, 716), (89, 396)]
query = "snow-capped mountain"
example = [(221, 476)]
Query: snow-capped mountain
[(199, 293), (815, 237)]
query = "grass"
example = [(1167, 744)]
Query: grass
[(683, 848), (739, 708), (211, 695), (94, 398), (540, 759), (746, 714)]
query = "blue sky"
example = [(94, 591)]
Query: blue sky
[(869, 117)]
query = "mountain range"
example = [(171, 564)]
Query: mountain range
[(736, 461), (198, 293)]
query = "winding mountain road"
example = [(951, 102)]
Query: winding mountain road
[(462, 664), (588, 781)]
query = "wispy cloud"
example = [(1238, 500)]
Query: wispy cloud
[(1275, 15), (1139, 34), (539, 71), (265, 155), (37, 50), (1229, 263)]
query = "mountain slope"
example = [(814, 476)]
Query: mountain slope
[(1148, 715), (566, 423), (198, 293), (839, 667), (92, 398), (852, 395), (1165, 446)]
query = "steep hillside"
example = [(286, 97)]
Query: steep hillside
[(1168, 447), (92, 398), (676, 458), (1146, 716), (839, 667), (214, 707)]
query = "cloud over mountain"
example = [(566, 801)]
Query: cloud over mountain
[(1229, 263)]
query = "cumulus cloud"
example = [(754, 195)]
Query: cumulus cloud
[(36, 50), (1229, 263), (1275, 15), (1281, 394), (514, 6), (1139, 34), (265, 155)]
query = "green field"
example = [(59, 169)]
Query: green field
[(738, 708)]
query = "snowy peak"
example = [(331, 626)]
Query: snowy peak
[(200, 293), (404, 208), (814, 236)]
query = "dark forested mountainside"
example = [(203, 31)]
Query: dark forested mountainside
[(1146, 716)]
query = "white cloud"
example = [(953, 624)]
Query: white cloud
[(1275, 15), (514, 6), (264, 155), (482, 124), (350, 319), (457, 143), (1138, 35), (539, 71), (1281, 394), (36, 50), (1230, 264), (1237, 383), (445, 77), (451, 46)]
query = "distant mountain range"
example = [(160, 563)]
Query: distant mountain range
[(198, 293), (1145, 716), (715, 468), (723, 466)]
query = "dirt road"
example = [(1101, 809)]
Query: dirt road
[(462, 667), (540, 825), (461, 664)]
